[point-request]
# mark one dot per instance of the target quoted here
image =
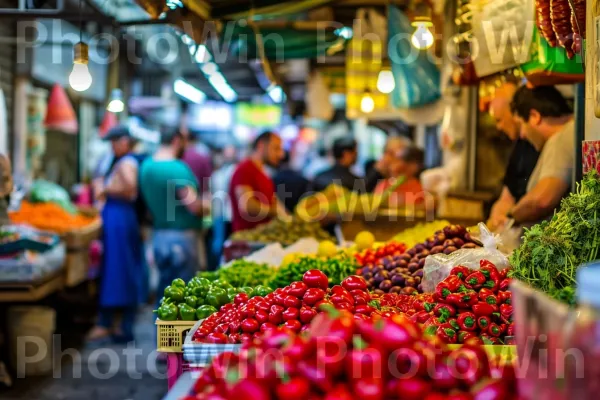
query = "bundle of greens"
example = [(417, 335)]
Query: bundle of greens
[(553, 250), (336, 268)]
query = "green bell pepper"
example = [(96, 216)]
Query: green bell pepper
[(261, 290), (191, 301), (174, 293), (222, 284), (248, 290), (178, 282), (205, 311), (167, 312), (186, 312), (232, 292), (217, 297)]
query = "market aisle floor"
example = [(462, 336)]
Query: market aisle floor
[(142, 378)]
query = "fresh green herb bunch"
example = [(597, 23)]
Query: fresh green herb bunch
[(553, 250)]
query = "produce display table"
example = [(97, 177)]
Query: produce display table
[(182, 387), (31, 291)]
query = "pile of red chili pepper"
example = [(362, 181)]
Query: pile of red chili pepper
[(292, 307), (344, 358), (371, 256), (469, 304)]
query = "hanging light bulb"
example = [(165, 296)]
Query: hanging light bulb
[(367, 105), (80, 78), (385, 81), (116, 105), (422, 38)]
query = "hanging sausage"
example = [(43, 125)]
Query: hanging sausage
[(560, 12), (578, 23), (544, 21)]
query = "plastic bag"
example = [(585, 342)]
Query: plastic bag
[(437, 267)]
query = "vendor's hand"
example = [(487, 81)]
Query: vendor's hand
[(496, 221)]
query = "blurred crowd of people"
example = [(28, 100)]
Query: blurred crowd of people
[(193, 200)]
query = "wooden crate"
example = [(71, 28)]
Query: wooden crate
[(76, 267), (81, 238)]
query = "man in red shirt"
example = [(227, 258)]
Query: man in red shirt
[(252, 192)]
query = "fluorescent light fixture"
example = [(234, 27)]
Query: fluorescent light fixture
[(188, 91), (276, 94), (219, 83), (202, 55), (209, 68)]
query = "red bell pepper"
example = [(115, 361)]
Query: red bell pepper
[(453, 283), (510, 330), (504, 284), (467, 321), (504, 273), (315, 279), (442, 290), (463, 336), (491, 284), (444, 310), (429, 306), (487, 296), (483, 323), (483, 309), (489, 270), (446, 333), (421, 317), (461, 271), (506, 311), (476, 280), (504, 297), (454, 323), (495, 330)]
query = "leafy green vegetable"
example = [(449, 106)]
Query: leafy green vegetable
[(553, 250), (336, 268), (241, 273)]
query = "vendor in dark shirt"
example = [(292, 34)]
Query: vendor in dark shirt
[(522, 159), (345, 154)]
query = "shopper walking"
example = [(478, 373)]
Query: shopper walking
[(123, 277), (172, 194)]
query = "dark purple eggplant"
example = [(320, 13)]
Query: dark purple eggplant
[(410, 282), (406, 257), (367, 276), (460, 230), (385, 285), (469, 245), (418, 280), (412, 267), (458, 242), (371, 282), (376, 269), (448, 242), (409, 290), (381, 276), (420, 288), (402, 264), (419, 248), (366, 270), (440, 239), (378, 291), (467, 237), (450, 249), (397, 271), (422, 262), (396, 289), (411, 252), (418, 273), (423, 254), (398, 280), (391, 267)]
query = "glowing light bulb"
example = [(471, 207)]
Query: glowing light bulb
[(116, 104), (80, 78), (422, 38), (385, 81), (367, 105)]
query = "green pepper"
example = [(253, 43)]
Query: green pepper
[(193, 282), (222, 284), (205, 311), (174, 293), (167, 312), (261, 290), (178, 282), (217, 297), (186, 312), (232, 292), (248, 290), (191, 301)]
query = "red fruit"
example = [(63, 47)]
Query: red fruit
[(443, 376), (267, 326), (261, 316), (293, 325), (249, 389), (339, 392), (412, 389), (354, 282), (313, 296), (315, 279), (307, 315), (297, 289), (493, 389), (216, 338), (295, 389), (368, 388), (250, 325), (291, 313), (240, 298), (291, 301)]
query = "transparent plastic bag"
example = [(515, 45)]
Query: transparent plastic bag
[(437, 267)]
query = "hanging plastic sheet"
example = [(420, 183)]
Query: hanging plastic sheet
[(417, 78)]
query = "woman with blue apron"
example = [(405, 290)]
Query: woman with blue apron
[(123, 275)]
